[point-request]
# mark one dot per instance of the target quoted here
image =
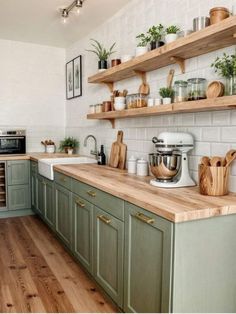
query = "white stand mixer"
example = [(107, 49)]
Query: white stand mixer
[(170, 164)]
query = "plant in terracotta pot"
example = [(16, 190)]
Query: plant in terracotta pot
[(155, 34), (102, 53), (69, 145), (142, 46), (171, 33), (167, 94), (226, 68)]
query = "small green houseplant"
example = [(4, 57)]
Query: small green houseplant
[(142, 46), (167, 94), (102, 53), (69, 144), (155, 34), (171, 33), (226, 68)]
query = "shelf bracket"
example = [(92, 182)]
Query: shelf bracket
[(110, 85), (142, 75), (180, 62), (113, 123)]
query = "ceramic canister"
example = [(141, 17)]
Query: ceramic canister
[(142, 167), (132, 165)]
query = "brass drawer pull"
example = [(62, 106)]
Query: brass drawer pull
[(104, 219), (81, 204), (144, 218), (62, 179), (91, 193)]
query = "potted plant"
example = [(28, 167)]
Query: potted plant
[(226, 67), (102, 53), (142, 46), (167, 94), (171, 33), (68, 145), (155, 35)]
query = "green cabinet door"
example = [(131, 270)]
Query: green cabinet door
[(82, 212), (34, 191), (148, 261), (41, 197), (63, 212), (18, 172), (108, 254), (18, 197), (49, 213)]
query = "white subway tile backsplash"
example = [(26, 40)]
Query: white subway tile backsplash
[(214, 132)]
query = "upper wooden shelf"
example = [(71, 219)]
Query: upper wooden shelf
[(212, 38), (221, 103)]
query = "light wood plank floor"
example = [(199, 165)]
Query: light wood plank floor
[(38, 275)]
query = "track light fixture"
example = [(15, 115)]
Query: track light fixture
[(75, 4)]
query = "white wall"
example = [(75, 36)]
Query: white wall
[(214, 132), (32, 91)]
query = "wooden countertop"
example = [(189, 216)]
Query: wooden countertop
[(35, 156), (176, 205)]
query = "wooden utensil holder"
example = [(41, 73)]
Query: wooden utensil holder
[(213, 181)]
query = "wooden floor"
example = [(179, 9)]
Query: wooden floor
[(38, 275)]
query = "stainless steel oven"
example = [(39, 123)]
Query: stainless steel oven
[(12, 142)]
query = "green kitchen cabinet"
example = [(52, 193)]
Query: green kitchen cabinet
[(108, 254), (41, 196), (18, 172), (63, 211), (49, 208), (148, 262), (34, 191), (82, 212), (18, 197)]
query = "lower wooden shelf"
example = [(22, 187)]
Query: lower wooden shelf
[(221, 103)]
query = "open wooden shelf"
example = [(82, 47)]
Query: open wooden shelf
[(212, 38), (221, 103)]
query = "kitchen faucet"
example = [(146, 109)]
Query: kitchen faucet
[(95, 151)]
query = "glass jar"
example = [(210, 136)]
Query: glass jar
[(92, 109), (131, 101), (230, 86), (141, 100), (181, 91), (99, 108), (197, 88)]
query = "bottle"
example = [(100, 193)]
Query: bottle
[(102, 157)]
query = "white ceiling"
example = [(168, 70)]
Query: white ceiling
[(38, 21)]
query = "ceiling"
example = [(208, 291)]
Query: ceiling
[(38, 21)]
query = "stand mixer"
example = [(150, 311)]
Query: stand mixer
[(170, 164)]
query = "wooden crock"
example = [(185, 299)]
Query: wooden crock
[(213, 181), (218, 14)]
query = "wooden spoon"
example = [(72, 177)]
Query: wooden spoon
[(205, 161), (170, 78), (216, 161), (230, 157)]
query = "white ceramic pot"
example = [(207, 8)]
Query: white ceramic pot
[(158, 101), (70, 151), (50, 149), (141, 51), (119, 103), (132, 165), (142, 168), (166, 101), (169, 38)]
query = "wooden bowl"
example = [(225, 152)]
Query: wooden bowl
[(218, 14), (215, 89)]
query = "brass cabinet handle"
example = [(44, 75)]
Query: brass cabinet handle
[(81, 204), (91, 193), (104, 219), (62, 179), (144, 218)]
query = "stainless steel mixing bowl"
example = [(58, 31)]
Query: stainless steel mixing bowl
[(165, 166)]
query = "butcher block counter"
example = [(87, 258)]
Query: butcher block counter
[(176, 205), (36, 156)]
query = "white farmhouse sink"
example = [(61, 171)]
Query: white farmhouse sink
[(45, 166)]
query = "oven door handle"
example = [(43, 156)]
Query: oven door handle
[(12, 138)]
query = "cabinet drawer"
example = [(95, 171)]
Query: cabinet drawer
[(34, 166), (111, 204), (63, 180)]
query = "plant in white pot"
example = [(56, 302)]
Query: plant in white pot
[(142, 46), (171, 33), (102, 53), (167, 94), (156, 34)]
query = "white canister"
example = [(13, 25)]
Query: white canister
[(150, 102), (132, 165), (142, 167), (158, 101), (50, 149)]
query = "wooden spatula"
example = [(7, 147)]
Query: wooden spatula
[(115, 153), (170, 78), (123, 151)]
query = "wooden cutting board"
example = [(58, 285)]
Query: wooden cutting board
[(115, 152), (123, 151)]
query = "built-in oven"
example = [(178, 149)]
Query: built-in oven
[(12, 142)]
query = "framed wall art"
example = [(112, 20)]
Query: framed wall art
[(74, 78)]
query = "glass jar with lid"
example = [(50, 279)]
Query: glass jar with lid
[(197, 88), (181, 91)]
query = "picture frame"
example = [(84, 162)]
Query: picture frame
[(74, 78), (77, 69), (70, 80)]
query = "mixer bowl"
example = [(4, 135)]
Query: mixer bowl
[(165, 166)]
